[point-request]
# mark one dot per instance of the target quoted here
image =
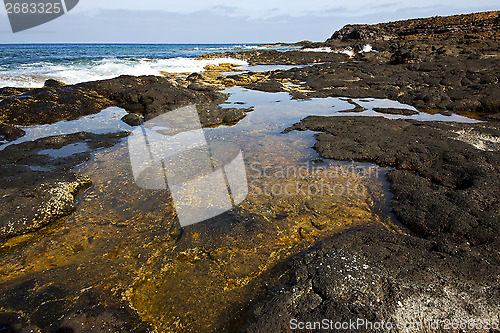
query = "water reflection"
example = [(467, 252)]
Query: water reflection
[(106, 121), (171, 152), (123, 245)]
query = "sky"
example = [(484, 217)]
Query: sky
[(224, 21)]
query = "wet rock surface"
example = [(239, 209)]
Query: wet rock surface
[(124, 242), (148, 96), (210, 117), (32, 208), (10, 132), (43, 305), (37, 188), (447, 180), (151, 96), (446, 186), (403, 112), (375, 275), (50, 104), (133, 119)]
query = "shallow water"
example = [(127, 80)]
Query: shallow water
[(293, 110), (124, 242), (106, 121)]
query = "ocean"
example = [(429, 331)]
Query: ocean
[(29, 65)]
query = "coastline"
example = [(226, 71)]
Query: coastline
[(444, 177)]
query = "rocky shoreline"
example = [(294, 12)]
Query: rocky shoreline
[(444, 194), (454, 68), (445, 176), (143, 97), (444, 197), (146, 96)]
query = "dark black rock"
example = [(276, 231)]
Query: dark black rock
[(403, 56), (109, 320), (147, 95), (445, 63), (267, 86), (403, 112), (376, 275), (357, 107), (211, 115), (51, 104), (263, 57), (468, 23), (434, 84), (357, 32), (495, 116), (10, 132), (151, 95), (132, 119), (446, 113), (195, 77), (443, 185), (58, 300), (10, 91), (16, 323), (50, 83)]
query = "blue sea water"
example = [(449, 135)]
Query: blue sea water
[(29, 65)]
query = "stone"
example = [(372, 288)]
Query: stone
[(10, 132), (132, 119), (397, 111)]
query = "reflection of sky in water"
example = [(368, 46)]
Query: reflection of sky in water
[(65, 151), (284, 110), (273, 113), (258, 135), (107, 121), (117, 219)]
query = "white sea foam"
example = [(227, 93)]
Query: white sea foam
[(367, 48), (348, 51), (318, 49), (351, 53), (255, 47), (35, 74)]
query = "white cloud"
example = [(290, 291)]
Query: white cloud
[(219, 21), (266, 8)]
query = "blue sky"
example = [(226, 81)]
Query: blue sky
[(223, 21)]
